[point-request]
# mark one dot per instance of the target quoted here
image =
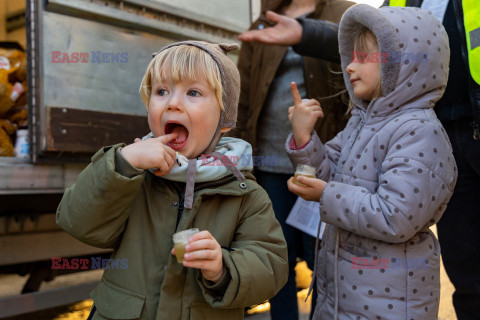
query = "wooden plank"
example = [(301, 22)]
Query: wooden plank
[(25, 176), (85, 131), (42, 246), (32, 302)]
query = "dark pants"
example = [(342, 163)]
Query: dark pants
[(284, 304), (459, 228)]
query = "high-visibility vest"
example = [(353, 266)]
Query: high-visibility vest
[(398, 3), (471, 22)]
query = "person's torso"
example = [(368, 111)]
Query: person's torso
[(151, 280), (274, 116)]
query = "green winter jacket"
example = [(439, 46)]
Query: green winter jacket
[(137, 216)]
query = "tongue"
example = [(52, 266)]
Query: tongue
[(182, 133)]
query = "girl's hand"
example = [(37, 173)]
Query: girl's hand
[(152, 153), (312, 191), (204, 252), (303, 116)]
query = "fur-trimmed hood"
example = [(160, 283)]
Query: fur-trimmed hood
[(414, 55)]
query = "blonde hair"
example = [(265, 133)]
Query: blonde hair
[(183, 62), (361, 44)]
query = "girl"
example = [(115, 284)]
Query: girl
[(390, 172)]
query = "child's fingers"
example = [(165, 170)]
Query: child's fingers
[(295, 94), (296, 189), (315, 108), (309, 182), (318, 114), (137, 140), (163, 166), (173, 251), (167, 138), (170, 159), (197, 264), (201, 244), (201, 255), (311, 102), (205, 234), (171, 153)]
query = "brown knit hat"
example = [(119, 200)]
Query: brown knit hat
[(228, 73)]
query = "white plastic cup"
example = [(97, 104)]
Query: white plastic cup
[(180, 239), (22, 146)]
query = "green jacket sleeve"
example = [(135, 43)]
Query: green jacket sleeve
[(94, 209), (257, 260)]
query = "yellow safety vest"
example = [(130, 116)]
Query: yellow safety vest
[(471, 21)]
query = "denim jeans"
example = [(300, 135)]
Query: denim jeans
[(284, 305), (459, 228)]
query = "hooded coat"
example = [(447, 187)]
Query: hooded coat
[(390, 175)]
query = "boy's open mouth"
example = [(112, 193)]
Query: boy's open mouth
[(181, 140)]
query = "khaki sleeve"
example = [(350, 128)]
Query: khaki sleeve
[(95, 209)]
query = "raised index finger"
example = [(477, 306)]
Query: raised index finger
[(296, 96)]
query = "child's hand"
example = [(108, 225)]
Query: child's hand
[(204, 252), (303, 116), (312, 191), (152, 153)]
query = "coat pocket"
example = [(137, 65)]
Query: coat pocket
[(113, 302), (203, 311)]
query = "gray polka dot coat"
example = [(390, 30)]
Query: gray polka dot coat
[(390, 175)]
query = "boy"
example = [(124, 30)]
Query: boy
[(133, 198)]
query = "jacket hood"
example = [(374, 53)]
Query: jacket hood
[(414, 56)]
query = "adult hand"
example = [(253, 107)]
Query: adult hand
[(152, 153), (303, 115), (312, 189), (287, 31), (205, 253)]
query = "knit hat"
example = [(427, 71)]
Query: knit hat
[(230, 78)]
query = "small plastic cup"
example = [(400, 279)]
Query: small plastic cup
[(304, 170), (180, 239)]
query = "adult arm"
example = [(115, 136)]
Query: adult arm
[(319, 40), (310, 37)]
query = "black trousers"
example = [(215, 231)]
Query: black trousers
[(459, 228), (284, 305)]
